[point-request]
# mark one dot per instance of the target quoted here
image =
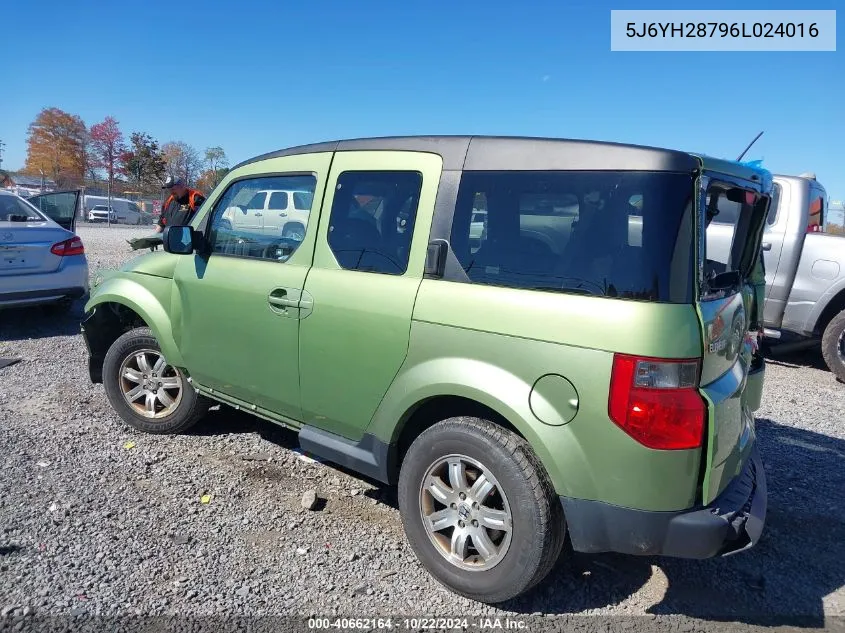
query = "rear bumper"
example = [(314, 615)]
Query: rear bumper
[(69, 280), (732, 523), (38, 297)]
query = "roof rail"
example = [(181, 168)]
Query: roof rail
[(808, 174)]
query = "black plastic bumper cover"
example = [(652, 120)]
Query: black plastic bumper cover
[(732, 523), (96, 347)]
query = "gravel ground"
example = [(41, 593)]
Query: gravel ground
[(96, 518)]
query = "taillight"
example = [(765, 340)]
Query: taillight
[(656, 401), (73, 246)]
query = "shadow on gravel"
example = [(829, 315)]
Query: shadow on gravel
[(18, 324), (810, 357), (781, 582)]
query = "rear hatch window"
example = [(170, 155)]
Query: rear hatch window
[(730, 235), (624, 235)]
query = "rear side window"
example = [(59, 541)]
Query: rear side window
[(302, 200), (372, 220), (817, 210), (773, 206), (278, 200), (610, 234), (13, 209)]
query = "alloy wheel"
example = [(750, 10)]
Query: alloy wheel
[(466, 513)]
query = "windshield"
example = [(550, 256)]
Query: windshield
[(625, 235), (13, 209)]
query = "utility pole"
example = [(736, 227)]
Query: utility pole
[(2, 145)]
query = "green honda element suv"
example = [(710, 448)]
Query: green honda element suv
[(532, 338)]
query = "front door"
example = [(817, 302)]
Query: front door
[(367, 270), (240, 304), (60, 206)]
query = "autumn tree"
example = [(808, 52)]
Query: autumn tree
[(108, 146), (143, 162), (216, 167), (182, 160), (56, 146)]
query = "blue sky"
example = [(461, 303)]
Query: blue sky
[(258, 76)]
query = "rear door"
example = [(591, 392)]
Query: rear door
[(60, 206), (364, 283), (728, 307)]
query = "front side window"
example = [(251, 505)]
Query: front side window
[(610, 234), (240, 228), (372, 220)]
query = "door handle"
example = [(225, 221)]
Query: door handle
[(280, 298), (767, 246), (257, 215), (283, 215)]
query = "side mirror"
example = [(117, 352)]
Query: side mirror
[(178, 240), (435, 258)]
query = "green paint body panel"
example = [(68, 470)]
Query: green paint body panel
[(356, 339), (362, 351)]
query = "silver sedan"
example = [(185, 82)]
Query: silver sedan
[(41, 259)]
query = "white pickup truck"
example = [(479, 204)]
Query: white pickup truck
[(805, 270)]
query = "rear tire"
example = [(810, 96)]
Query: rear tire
[(150, 395), (442, 524), (833, 346)]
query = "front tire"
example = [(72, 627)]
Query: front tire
[(479, 509), (150, 395), (833, 346)]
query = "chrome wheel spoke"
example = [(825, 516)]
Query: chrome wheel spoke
[(133, 394), (458, 476), (494, 519), (171, 382), (442, 519), (486, 548), (159, 364), (460, 543), (481, 489), (165, 398), (133, 375), (150, 404), (437, 489), (143, 364)]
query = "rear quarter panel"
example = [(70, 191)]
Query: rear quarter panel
[(493, 344)]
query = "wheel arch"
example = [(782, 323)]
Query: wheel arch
[(118, 306), (833, 306), (444, 388)]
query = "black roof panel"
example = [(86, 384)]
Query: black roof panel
[(507, 153)]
